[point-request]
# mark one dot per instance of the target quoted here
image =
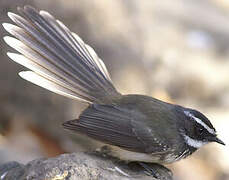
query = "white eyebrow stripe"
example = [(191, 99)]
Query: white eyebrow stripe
[(210, 130)]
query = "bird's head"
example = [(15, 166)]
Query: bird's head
[(198, 130)]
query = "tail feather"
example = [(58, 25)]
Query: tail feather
[(43, 73), (42, 43), (59, 58), (52, 86)]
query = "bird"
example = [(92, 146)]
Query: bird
[(135, 127)]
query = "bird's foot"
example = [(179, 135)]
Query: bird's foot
[(119, 171), (149, 170), (156, 171)]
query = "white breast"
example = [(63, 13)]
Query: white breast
[(142, 157)]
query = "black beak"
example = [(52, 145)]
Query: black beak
[(215, 139)]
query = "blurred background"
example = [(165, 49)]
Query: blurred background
[(177, 51)]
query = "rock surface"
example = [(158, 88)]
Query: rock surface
[(82, 166)]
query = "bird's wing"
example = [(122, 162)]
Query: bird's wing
[(116, 126)]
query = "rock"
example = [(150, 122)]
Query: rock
[(80, 166)]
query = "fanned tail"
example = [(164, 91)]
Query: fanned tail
[(58, 59)]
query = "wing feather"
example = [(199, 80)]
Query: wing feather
[(116, 126)]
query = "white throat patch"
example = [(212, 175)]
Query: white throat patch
[(210, 130), (194, 143)]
